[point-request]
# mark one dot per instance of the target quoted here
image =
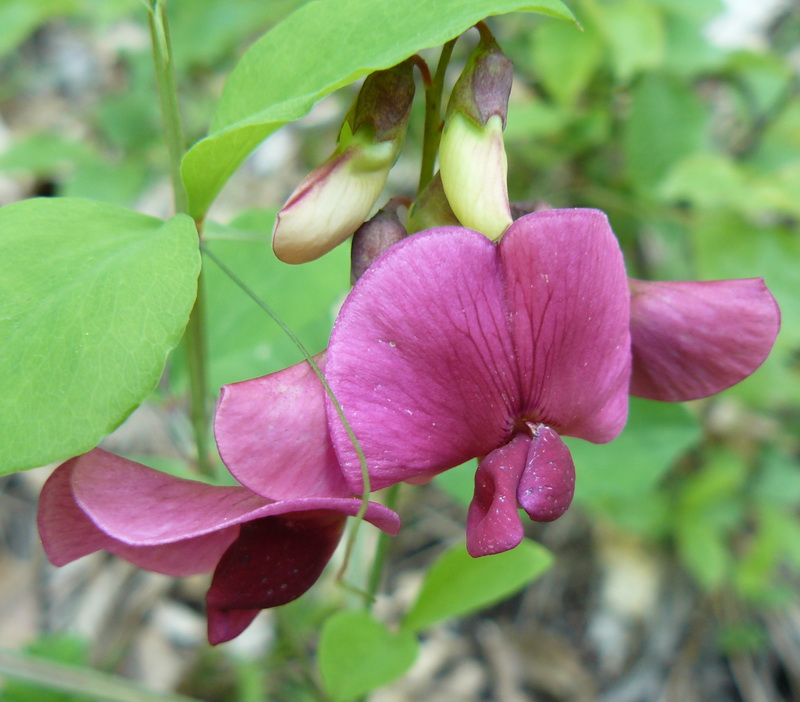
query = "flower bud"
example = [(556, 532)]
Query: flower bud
[(336, 198), (431, 208), (472, 158), (375, 236)]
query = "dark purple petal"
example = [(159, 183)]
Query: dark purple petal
[(548, 482), (274, 561), (694, 339), (421, 361), (227, 624), (569, 298), (493, 523), (272, 434)]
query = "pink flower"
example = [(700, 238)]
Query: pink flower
[(266, 541), (452, 346)]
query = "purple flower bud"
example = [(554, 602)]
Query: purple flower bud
[(375, 236), (483, 88)]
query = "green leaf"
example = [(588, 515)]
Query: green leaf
[(635, 32), (656, 435), (566, 58), (45, 154), (458, 584), (243, 341), (206, 33), (357, 654), (60, 648), (703, 548), (459, 482), (708, 180), (92, 299), (667, 122), (323, 46)]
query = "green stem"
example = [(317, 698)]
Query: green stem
[(382, 550), (195, 344), (194, 338), (168, 97), (433, 108), (81, 681)]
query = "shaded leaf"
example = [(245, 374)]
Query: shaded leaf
[(656, 435), (666, 123)]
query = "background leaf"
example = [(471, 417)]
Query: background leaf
[(656, 435), (311, 54), (92, 299), (357, 653), (667, 122), (458, 584), (243, 341)]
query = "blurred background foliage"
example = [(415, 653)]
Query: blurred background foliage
[(691, 146)]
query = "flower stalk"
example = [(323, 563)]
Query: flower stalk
[(194, 337), (433, 108)]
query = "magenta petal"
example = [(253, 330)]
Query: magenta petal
[(569, 298), (694, 339), (140, 506), (68, 534), (421, 361), (272, 434), (274, 561), (493, 523), (548, 482)]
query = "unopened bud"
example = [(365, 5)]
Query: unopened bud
[(520, 209), (375, 236), (336, 198), (431, 208), (472, 157)]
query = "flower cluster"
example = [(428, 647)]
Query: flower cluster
[(455, 342)]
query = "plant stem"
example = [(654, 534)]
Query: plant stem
[(382, 549), (194, 337), (195, 344), (433, 108), (81, 681), (168, 98)]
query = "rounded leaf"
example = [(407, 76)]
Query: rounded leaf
[(92, 299)]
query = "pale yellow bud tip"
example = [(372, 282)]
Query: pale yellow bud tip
[(474, 171)]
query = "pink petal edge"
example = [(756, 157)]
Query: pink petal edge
[(696, 338)]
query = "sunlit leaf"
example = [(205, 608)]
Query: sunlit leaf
[(458, 584), (92, 299), (321, 47), (357, 654)]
